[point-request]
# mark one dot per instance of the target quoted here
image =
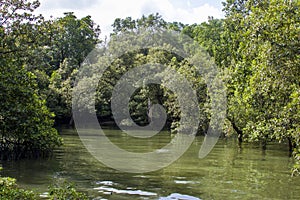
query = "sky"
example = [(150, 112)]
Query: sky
[(104, 12)]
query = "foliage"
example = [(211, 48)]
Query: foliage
[(150, 22), (9, 190), (33, 136), (18, 27), (60, 90), (211, 36), (144, 97), (71, 40), (265, 69), (25, 121), (65, 191)]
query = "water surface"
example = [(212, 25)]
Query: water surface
[(228, 172)]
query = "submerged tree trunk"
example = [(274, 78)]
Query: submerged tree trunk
[(150, 114), (71, 122), (291, 146), (237, 130), (264, 144)]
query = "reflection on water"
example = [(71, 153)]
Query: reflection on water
[(226, 173), (178, 196)]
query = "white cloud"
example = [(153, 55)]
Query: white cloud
[(104, 12), (67, 4)]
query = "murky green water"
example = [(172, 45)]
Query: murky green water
[(226, 173)]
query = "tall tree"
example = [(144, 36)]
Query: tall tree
[(25, 122), (265, 69), (74, 38), (71, 40)]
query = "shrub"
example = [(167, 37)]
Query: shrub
[(66, 191), (9, 190), (26, 125)]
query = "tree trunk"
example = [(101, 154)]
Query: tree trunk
[(237, 130), (264, 144), (150, 114), (71, 122), (291, 145)]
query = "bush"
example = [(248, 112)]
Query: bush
[(9, 190), (26, 125), (66, 191)]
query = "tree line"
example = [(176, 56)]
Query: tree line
[(255, 47)]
